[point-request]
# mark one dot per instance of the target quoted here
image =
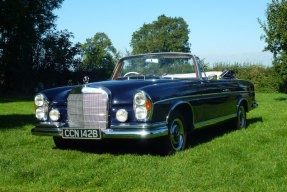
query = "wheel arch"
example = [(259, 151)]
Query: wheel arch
[(186, 110), (244, 102)]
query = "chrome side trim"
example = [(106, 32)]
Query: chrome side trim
[(139, 126), (199, 95), (214, 121)]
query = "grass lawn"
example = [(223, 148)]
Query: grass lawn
[(218, 158)]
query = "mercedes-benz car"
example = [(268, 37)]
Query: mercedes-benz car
[(157, 95)]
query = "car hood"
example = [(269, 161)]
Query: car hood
[(122, 91)]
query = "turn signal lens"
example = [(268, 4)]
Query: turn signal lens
[(148, 105)]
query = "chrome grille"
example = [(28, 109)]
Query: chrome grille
[(87, 110)]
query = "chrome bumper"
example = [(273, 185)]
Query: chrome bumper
[(254, 105), (117, 132)]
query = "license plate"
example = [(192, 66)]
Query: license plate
[(78, 133)]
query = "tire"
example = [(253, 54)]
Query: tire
[(63, 143), (177, 134), (240, 120)]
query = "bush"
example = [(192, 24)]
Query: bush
[(265, 79)]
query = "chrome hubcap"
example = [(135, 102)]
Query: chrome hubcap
[(176, 134)]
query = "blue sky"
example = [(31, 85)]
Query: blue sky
[(220, 30)]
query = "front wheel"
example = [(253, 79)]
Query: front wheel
[(177, 134), (240, 121)]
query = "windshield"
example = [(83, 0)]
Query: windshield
[(156, 66)]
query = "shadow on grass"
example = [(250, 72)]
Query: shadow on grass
[(115, 147), (151, 147), (15, 121), (254, 120), (281, 99), (207, 134)]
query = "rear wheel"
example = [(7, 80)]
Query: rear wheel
[(177, 134), (240, 121)]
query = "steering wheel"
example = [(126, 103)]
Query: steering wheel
[(132, 72)]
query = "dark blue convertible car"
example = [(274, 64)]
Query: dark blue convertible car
[(158, 95)]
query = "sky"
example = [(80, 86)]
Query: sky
[(220, 30)]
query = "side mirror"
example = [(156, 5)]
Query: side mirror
[(212, 77)]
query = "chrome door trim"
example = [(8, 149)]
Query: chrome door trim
[(213, 121), (199, 95)]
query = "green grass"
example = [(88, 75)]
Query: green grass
[(218, 158)]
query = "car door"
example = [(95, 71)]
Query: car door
[(218, 99)]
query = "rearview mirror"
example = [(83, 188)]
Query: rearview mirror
[(151, 60)]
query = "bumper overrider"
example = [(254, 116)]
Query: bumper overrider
[(124, 131)]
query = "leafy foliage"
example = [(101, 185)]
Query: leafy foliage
[(98, 53), (56, 53), (22, 24), (164, 35), (265, 79), (56, 56), (275, 29)]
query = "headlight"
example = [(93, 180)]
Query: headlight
[(141, 112), (41, 107), (140, 98), (41, 113), (39, 100), (122, 115), (142, 106), (54, 115)]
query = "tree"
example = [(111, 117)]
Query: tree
[(275, 29), (98, 53), (56, 57), (22, 25), (164, 35), (56, 53)]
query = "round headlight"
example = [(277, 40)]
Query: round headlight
[(41, 113), (140, 98), (141, 112), (122, 115), (39, 100), (54, 114)]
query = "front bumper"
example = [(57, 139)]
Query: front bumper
[(138, 131)]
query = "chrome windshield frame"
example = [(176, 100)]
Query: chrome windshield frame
[(193, 57)]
